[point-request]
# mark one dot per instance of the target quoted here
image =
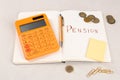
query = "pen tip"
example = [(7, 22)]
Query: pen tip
[(61, 43)]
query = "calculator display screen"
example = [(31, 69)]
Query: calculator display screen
[(33, 25)]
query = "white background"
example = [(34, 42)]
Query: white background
[(9, 10)]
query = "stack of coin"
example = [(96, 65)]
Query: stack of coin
[(110, 19), (89, 18), (69, 69)]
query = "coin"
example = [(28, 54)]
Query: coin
[(95, 20), (87, 19), (82, 14), (69, 69), (110, 19), (91, 16)]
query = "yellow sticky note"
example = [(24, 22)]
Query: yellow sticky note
[(96, 50)]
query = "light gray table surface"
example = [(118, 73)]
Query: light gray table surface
[(9, 10)]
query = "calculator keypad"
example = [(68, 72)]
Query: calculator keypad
[(39, 42)]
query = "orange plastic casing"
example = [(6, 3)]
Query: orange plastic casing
[(36, 42)]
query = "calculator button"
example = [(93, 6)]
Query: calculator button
[(28, 55), (23, 35), (39, 42), (28, 50), (26, 46)]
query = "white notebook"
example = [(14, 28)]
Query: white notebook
[(79, 39)]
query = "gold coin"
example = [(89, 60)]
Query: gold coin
[(110, 19), (82, 14), (95, 20), (69, 69), (87, 19), (91, 16)]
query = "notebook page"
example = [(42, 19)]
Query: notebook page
[(18, 57), (77, 34)]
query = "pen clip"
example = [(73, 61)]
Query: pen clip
[(62, 19)]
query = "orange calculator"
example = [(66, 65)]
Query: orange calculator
[(36, 36)]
